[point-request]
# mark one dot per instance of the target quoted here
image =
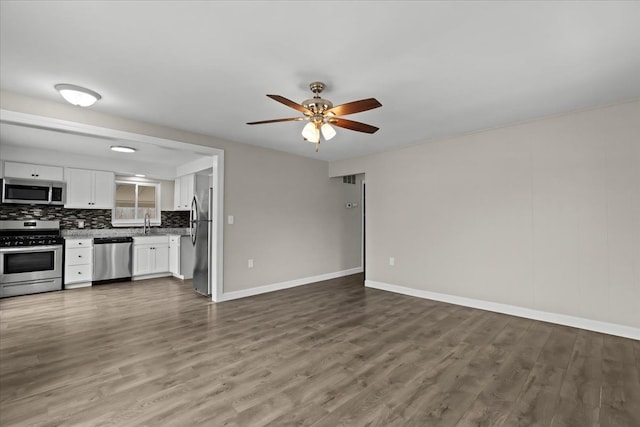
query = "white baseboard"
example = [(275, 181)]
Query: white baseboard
[(150, 276), (228, 296), (561, 319), (77, 285)]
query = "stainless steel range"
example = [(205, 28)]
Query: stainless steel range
[(30, 257)]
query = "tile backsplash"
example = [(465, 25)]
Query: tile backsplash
[(93, 218)]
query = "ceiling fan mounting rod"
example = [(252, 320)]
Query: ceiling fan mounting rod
[(316, 88)]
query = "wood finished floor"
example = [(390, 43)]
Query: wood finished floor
[(152, 353)]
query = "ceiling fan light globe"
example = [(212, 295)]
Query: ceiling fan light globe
[(311, 133), (328, 131)]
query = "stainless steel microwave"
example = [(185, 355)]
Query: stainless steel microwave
[(33, 192)]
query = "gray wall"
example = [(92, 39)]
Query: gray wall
[(543, 215), (289, 216)]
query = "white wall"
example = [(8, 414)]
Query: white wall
[(289, 216), (543, 215)]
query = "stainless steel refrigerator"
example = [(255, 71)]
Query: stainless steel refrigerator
[(200, 230)]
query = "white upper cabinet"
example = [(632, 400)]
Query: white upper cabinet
[(103, 185), (183, 192), (88, 189), (30, 171)]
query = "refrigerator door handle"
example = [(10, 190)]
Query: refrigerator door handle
[(193, 220)]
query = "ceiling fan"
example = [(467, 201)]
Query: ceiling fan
[(321, 114)]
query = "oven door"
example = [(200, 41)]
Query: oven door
[(32, 263)]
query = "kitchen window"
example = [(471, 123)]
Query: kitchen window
[(133, 201)]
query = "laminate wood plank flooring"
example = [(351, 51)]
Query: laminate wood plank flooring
[(153, 353)]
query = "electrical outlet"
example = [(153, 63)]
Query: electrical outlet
[(392, 261), (250, 263)]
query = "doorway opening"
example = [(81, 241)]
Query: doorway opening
[(89, 138), (363, 240)]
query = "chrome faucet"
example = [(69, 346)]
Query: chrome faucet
[(147, 223)]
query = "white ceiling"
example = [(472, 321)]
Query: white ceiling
[(438, 68), (63, 148)]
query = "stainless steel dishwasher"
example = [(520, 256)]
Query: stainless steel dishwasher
[(112, 259)]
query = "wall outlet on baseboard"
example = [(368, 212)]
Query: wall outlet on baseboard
[(392, 261), (250, 263)]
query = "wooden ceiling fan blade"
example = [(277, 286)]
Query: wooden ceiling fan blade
[(351, 125), (354, 107), (290, 103), (291, 119)]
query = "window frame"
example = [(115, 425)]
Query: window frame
[(137, 221)]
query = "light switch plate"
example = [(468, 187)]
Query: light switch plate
[(230, 220)]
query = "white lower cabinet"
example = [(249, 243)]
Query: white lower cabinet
[(150, 255), (78, 263), (174, 255), (181, 256)]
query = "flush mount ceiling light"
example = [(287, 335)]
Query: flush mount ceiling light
[(321, 114), (123, 149), (77, 95)]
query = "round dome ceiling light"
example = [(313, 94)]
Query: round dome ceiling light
[(77, 95), (123, 149)]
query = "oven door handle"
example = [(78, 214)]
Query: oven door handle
[(30, 249)]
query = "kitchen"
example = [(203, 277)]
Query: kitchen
[(85, 214)]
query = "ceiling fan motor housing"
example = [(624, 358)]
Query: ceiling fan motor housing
[(317, 105)]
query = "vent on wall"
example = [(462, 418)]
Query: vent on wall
[(349, 179)]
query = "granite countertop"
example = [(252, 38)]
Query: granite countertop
[(117, 232)]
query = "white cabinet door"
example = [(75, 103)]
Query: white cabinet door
[(79, 188), (161, 258), (141, 259), (87, 189), (103, 190), (30, 171), (18, 170), (176, 194), (49, 173), (174, 255), (183, 192), (186, 191)]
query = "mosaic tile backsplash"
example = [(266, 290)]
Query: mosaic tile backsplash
[(93, 218)]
